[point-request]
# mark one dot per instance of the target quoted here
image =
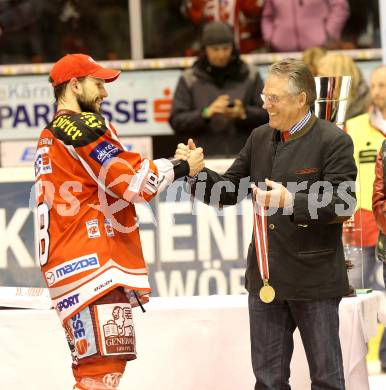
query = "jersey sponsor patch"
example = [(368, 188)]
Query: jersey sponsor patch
[(68, 126), (42, 162), (115, 329), (91, 120), (109, 228), (104, 152), (80, 335), (65, 303), (46, 141), (78, 129), (71, 267), (93, 228)]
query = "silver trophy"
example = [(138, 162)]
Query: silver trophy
[(332, 95), (331, 104)]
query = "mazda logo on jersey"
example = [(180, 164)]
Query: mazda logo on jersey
[(72, 267), (50, 278)]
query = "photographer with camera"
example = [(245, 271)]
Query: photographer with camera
[(217, 100)]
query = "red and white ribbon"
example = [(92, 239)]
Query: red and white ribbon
[(261, 238)]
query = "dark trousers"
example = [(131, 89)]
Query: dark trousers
[(272, 326)]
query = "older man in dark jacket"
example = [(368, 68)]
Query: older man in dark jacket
[(311, 170)]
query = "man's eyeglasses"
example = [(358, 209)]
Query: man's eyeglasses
[(270, 98)]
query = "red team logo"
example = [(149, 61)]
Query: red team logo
[(82, 346), (93, 228), (109, 228)]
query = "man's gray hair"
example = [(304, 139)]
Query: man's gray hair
[(299, 76)]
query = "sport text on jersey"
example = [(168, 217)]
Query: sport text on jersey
[(68, 302)]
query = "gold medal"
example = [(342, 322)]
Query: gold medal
[(267, 293)]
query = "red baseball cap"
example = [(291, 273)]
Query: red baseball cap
[(80, 65)]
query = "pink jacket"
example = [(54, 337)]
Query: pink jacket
[(295, 25)]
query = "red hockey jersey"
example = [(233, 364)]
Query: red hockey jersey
[(86, 186)]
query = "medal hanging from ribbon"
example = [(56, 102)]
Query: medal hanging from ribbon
[(267, 293)]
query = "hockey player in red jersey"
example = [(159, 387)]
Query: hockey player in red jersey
[(89, 246)]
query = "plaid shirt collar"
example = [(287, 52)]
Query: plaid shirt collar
[(299, 125)]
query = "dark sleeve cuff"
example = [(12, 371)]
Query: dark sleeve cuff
[(181, 168)]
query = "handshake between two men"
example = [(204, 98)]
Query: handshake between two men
[(277, 197), (193, 155)]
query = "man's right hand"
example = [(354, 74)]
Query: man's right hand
[(196, 161), (193, 155), (183, 151)]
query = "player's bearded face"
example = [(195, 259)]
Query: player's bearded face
[(88, 103)]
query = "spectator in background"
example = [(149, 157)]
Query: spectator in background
[(242, 15), (218, 100), (342, 65), (362, 26), (296, 25), (18, 20), (311, 58), (368, 132)]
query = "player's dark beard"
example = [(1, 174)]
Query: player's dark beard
[(87, 105)]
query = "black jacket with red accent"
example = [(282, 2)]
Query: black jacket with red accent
[(305, 251)]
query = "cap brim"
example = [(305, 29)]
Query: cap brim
[(108, 75)]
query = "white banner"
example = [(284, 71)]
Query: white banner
[(139, 103), (17, 153), (141, 145)]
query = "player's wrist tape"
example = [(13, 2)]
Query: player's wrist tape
[(181, 168)]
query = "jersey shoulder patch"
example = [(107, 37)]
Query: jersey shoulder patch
[(78, 129)]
